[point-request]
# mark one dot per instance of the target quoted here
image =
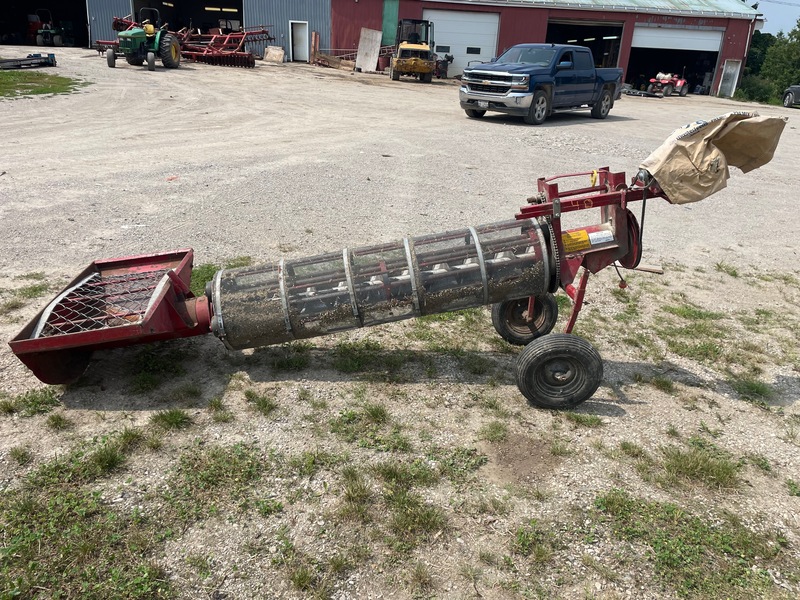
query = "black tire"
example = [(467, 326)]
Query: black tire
[(474, 114), (58, 40), (136, 61), (684, 89), (651, 88), (540, 108), (788, 99), (603, 106), (169, 50), (558, 371), (151, 61), (111, 58), (393, 73), (668, 90), (426, 77), (39, 40), (509, 320)]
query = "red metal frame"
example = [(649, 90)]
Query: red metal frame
[(226, 49)]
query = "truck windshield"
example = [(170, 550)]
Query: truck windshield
[(532, 56)]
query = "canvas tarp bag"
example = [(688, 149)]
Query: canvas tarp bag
[(693, 162)]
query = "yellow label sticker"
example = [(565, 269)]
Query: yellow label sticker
[(575, 241)]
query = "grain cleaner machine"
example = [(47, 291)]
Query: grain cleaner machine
[(514, 265)]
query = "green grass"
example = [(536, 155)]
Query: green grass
[(171, 419), (202, 274), (696, 556), (58, 422), (369, 356), (33, 402), (153, 366), (693, 313), (21, 455), (457, 464), (534, 542), (494, 432), (23, 82), (370, 427), (702, 462), (290, 357), (751, 389), (793, 487), (264, 403), (311, 462), (722, 267), (583, 420)]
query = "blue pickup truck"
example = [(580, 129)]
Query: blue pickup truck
[(533, 80)]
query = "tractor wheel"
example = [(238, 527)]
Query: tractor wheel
[(58, 40), (684, 89), (474, 114), (170, 51), (540, 107), (393, 73), (136, 61), (601, 108), (668, 90), (788, 99), (559, 370), (426, 77), (151, 61), (40, 40), (111, 58), (509, 320)]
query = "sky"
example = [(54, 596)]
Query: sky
[(780, 14)]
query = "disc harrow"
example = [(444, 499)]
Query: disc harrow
[(222, 49)]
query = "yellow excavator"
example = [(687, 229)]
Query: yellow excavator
[(414, 54)]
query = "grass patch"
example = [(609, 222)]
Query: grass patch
[(58, 422), (583, 420), (698, 557), (33, 402), (295, 356), (370, 427), (702, 462), (793, 487), (534, 541), (21, 455), (406, 475), (751, 389), (262, 403), (202, 274), (154, 365), (171, 420), (311, 462), (24, 82), (368, 356), (693, 313), (722, 267), (457, 464), (494, 432)]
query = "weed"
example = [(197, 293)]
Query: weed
[(172, 419), (153, 365), (475, 364), (10, 306), (722, 267), (58, 422), (493, 432), (311, 462), (457, 464), (702, 462), (533, 541), (356, 494), (760, 461), (33, 402), (701, 557), (262, 403), (399, 474), (752, 390), (411, 518), (793, 486), (21, 455), (268, 507), (370, 427), (693, 313), (420, 577), (583, 420), (559, 447), (673, 432)]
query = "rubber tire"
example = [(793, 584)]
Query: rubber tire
[(651, 89), (558, 371), (169, 50), (668, 90), (426, 77), (151, 61), (788, 99), (136, 61), (603, 106), (58, 40), (684, 89), (509, 321), (111, 58), (474, 114), (540, 108), (39, 39), (393, 74)]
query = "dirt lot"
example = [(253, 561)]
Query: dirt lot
[(295, 160)]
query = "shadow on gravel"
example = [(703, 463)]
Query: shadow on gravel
[(556, 120)]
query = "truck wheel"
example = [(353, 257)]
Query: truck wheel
[(603, 105), (151, 61), (559, 370), (474, 114), (111, 58), (169, 49), (788, 99), (668, 90), (540, 107), (426, 77), (393, 73), (508, 319)]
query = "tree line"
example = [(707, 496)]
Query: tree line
[(773, 64)]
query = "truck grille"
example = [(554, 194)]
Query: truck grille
[(488, 89)]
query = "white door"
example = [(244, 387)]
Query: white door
[(669, 38), (467, 36), (730, 75), (298, 41)]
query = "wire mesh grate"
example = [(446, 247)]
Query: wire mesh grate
[(102, 302)]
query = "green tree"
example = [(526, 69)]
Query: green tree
[(759, 45), (782, 61)]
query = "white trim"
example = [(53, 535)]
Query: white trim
[(291, 40)]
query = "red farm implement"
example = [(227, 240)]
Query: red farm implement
[(223, 49), (514, 265)]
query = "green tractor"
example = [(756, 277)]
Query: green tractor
[(146, 40)]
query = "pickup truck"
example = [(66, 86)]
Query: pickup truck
[(533, 80)]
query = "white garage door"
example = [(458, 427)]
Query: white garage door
[(470, 36), (676, 39)]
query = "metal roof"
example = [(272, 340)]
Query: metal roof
[(696, 8)]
